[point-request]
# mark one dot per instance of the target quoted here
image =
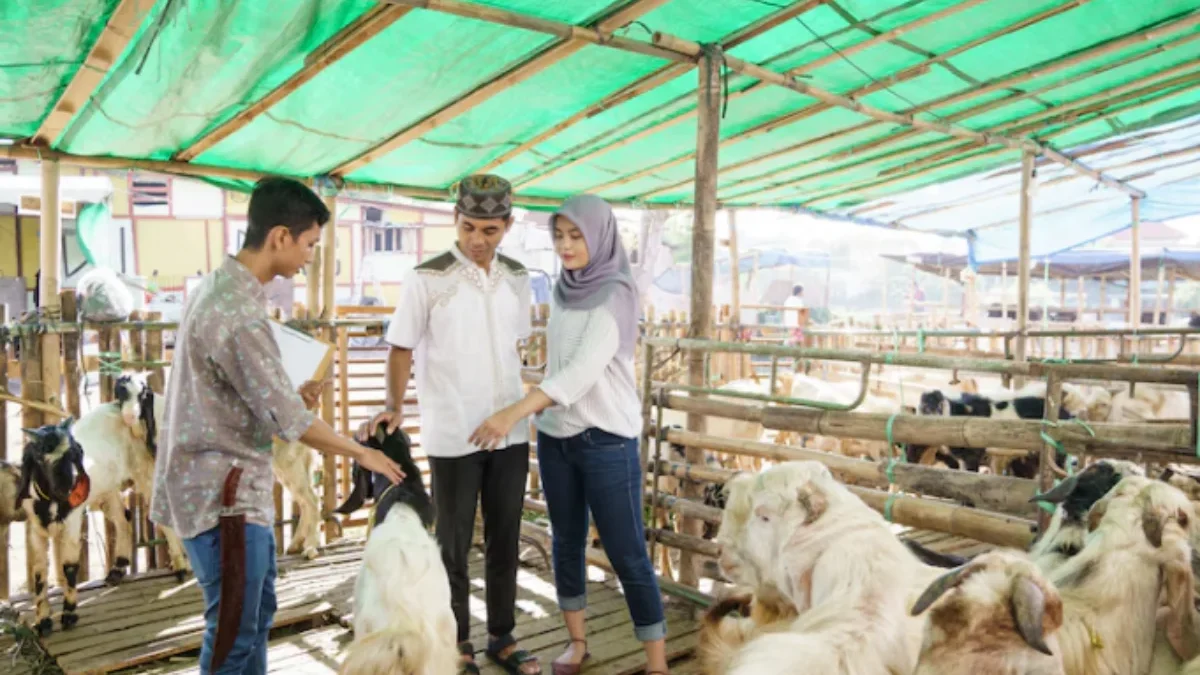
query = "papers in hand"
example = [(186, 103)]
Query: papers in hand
[(304, 356)]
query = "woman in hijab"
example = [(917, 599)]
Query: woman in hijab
[(588, 426)]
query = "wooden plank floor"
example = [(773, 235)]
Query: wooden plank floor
[(153, 626)]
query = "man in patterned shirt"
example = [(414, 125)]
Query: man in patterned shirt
[(227, 397), (459, 319)]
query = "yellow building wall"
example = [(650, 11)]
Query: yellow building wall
[(31, 256), (120, 197), (402, 216), (8, 246), (391, 294), (176, 248), (236, 203), (438, 239)]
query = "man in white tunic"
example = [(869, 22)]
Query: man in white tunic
[(460, 317)]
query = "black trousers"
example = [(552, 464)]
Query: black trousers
[(497, 480)]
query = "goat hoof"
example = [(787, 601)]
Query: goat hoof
[(311, 553), (69, 619), (114, 577), (180, 575), (45, 627)]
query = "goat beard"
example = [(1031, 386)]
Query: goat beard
[(80, 491)]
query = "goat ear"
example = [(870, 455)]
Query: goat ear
[(1030, 610), (32, 433), (1153, 524), (66, 423), (939, 587), (1181, 617), (813, 501), (1060, 493)]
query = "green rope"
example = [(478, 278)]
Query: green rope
[(887, 506), (110, 363), (920, 340)]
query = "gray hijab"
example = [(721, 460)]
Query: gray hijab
[(607, 280)]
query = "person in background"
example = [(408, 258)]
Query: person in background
[(460, 317), (792, 307), (588, 428), (227, 397)]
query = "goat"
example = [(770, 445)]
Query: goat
[(995, 615), (292, 463), (721, 632), (403, 623), (53, 488), (120, 443), (796, 529), (973, 405), (1148, 403), (10, 511), (1074, 497), (1111, 589)]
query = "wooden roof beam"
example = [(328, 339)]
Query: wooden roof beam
[(771, 124), (903, 75), (351, 37), (573, 39), (1026, 144), (122, 24)]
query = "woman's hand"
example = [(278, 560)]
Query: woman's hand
[(491, 433)]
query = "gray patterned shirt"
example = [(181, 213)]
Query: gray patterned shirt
[(228, 395)]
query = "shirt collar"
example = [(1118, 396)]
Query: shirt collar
[(471, 264), (244, 279)]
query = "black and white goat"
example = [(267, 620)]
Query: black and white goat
[(1074, 497), (403, 622), (54, 486), (120, 443), (973, 405)]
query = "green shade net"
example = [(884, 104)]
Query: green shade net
[(92, 224), (191, 67)]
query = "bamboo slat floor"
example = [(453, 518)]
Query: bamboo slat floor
[(152, 625)]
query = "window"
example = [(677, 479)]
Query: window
[(151, 193), (8, 165), (390, 239)]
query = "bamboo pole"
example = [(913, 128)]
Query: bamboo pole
[(158, 384), (703, 242), (4, 534), (924, 514), (1117, 440), (1171, 297), (110, 342), (137, 501), (333, 529), (1027, 178), (1135, 264), (1158, 293), (31, 418), (1047, 463), (371, 23), (993, 493)]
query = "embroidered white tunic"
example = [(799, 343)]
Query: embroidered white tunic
[(463, 325)]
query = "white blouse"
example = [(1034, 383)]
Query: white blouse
[(591, 384)]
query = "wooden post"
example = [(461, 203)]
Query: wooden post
[(71, 381), (703, 243), (1171, 295), (1103, 299), (1081, 303), (333, 528), (1135, 265), (1046, 466), (31, 418), (110, 342), (1026, 216), (157, 380), (4, 543), (1158, 293), (1004, 293), (736, 291)]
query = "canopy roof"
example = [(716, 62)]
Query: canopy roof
[(831, 103), (1065, 265)]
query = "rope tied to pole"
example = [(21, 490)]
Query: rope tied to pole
[(110, 363)]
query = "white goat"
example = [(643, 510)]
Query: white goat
[(997, 615), (403, 623), (1149, 403), (120, 441), (1111, 589), (796, 529)]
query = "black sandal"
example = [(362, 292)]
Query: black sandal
[(467, 667), (513, 662), (573, 668)]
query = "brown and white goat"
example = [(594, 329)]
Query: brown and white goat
[(53, 489), (997, 615), (796, 529)]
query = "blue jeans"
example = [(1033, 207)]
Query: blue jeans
[(249, 653), (600, 471)]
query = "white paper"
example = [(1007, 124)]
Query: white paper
[(302, 353)]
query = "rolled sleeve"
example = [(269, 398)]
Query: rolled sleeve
[(250, 361), (411, 315), (588, 363)]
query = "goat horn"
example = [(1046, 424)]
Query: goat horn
[(1028, 608), (1060, 493), (938, 588)]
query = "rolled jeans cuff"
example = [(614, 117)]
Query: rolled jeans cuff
[(573, 604), (655, 631)]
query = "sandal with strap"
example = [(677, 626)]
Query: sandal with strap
[(467, 667), (512, 664), (573, 668)]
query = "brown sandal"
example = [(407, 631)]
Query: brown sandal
[(572, 668)]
